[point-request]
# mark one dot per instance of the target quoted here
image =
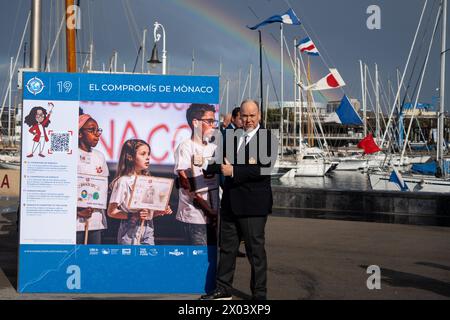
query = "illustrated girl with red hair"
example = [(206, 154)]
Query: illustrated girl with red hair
[(38, 120)]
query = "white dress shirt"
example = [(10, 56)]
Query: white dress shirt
[(247, 136)]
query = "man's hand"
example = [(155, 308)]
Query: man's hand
[(146, 214), (201, 203), (227, 168), (184, 180), (163, 213)]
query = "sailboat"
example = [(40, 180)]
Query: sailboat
[(385, 180), (9, 152), (416, 183), (10, 160), (309, 162)]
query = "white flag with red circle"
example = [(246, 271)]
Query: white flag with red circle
[(333, 80)]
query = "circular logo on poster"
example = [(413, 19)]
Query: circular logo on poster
[(84, 194), (96, 195), (35, 85)]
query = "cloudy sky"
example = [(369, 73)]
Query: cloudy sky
[(215, 31)]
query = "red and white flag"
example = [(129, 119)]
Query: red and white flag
[(308, 47), (332, 80)]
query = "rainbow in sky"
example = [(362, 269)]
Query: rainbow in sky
[(231, 26)]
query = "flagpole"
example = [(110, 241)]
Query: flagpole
[(281, 89), (363, 97), (365, 100), (250, 71), (295, 92), (441, 113), (300, 116), (377, 105), (309, 96), (261, 77)]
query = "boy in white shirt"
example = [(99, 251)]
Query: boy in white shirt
[(198, 194)]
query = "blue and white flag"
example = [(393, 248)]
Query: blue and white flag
[(308, 47), (396, 177), (345, 114), (288, 18)]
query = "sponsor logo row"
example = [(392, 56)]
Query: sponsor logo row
[(147, 252)]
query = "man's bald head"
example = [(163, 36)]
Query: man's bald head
[(250, 114)]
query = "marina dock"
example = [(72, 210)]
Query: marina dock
[(417, 208), (308, 259)]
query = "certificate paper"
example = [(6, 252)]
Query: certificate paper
[(92, 191), (151, 193)]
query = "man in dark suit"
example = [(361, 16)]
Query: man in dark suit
[(236, 121), (225, 123), (246, 201)]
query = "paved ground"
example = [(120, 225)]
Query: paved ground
[(311, 259)]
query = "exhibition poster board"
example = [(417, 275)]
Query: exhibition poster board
[(125, 106)]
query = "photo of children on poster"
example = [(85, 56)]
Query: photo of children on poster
[(118, 200)]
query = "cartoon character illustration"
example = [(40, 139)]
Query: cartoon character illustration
[(38, 120)]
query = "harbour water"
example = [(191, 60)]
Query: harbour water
[(337, 180)]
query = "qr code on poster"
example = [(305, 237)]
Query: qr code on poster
[(60, 142)]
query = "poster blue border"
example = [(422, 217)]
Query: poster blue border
[(105, 268), (116, 269), (121, 87)]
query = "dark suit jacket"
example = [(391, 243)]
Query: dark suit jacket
[(248, 192)]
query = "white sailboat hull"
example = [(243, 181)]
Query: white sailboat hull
[(415, 183), (351, 164), (419, 159), (378, 161), (312, 169), (9, 166)]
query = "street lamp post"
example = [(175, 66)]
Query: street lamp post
[(157, 37)]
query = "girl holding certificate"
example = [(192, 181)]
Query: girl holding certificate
[(136, 226), (91, 219)]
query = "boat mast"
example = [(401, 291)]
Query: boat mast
[(228, 94), (267, 109), (193, 62), (250, 72), (281, 91), (295, 93), (261, 93), (440, 150), (239, 88), (144, 36), (71, 58), (35, 43), (309, 102), (363, 96), (300, 116), (9, 100), (377, 105), (91, 56), (403, 76)]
